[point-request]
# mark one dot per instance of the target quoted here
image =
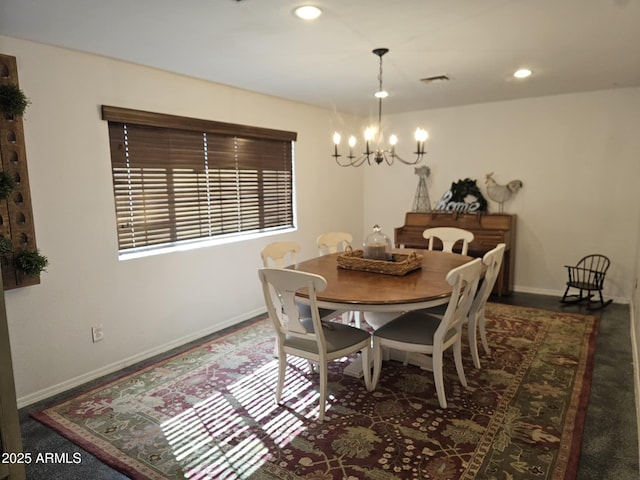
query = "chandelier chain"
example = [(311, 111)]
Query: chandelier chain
[(380, 98)]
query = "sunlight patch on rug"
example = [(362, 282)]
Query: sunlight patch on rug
[(200, 437)]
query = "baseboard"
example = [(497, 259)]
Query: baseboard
[(558, 293), (139, 357)]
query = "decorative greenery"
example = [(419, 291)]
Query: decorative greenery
[(7, 184), (6, 246), (13, 101), (462, 188), (31, 262)]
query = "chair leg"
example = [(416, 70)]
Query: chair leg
[(350, 317), (357, 318), (323, 390), (573, 298), (282, 367), (483, 333), (365, 356), (601, 299), (457, 355), (312, 367), (473, 339), (377, 363), (407, 357), (438, 378), (599, 304)]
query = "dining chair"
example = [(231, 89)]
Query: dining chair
[(280, 254), (310, 338), (476, 319), (423, 333), (449, 236), (493, 261), (333, 242)]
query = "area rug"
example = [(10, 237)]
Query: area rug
[(209, 413)]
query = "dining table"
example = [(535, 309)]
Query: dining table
[(379, 293)]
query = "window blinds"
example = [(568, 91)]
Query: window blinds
[(178, 184)]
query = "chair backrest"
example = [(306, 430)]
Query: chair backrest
[(333, 242), (493, 261), (279, 287), (592, 269), (280, 254), (464, 280), (449, 236)]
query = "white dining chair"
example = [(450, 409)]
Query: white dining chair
[(449, 236), (476, 322), (280, 254), (311, 337), (333, 242), (493, 261), (423, 333)]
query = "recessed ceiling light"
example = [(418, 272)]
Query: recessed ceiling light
[(308, 12), (522, 73)]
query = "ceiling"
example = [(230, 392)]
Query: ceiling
[(259, 45)]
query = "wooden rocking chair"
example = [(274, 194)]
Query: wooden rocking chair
[(587, 276)]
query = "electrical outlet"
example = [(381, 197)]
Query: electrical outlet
[(97, 333)]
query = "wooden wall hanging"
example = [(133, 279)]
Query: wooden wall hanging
[(16, 215)]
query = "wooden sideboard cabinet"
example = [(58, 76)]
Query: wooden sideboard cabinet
[(489, 229)]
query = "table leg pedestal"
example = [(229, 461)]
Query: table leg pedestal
[(354, 369)]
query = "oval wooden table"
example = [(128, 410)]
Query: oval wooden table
[(354, 290), (377, 292)]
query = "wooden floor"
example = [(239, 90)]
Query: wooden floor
[(610, 442)]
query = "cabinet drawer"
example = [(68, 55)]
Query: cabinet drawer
[(488, 239)]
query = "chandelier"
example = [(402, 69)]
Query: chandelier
[(374, 151)]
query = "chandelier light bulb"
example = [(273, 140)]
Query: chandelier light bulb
[(421, 135), (393, 140), (352, 141), (336, 138), (369, 133), (381, 94)]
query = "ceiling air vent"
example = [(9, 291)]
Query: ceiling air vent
[(435, 79)]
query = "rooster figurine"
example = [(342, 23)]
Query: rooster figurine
[(501, 193)]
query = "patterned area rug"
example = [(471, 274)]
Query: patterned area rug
[(209, 413)]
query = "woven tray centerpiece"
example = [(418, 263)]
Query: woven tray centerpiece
[(400, 263)]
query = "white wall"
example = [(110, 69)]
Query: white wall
[(578, 156), (151, 303)]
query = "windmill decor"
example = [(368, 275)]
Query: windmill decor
[(421, 202)]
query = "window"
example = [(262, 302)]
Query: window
[(179, 179)]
